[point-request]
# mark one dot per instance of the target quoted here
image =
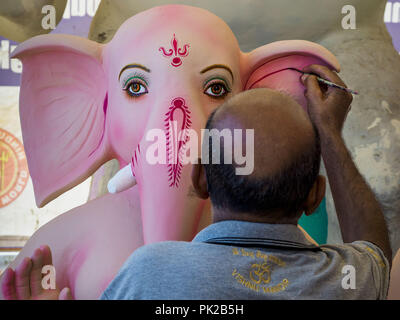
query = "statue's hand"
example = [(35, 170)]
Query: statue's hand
[(25, 282)]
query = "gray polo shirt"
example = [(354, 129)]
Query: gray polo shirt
[(245, 260)]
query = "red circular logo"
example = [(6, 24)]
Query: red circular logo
[(14, 174)]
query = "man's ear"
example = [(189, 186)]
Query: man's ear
[(199, 180), (315, 196)]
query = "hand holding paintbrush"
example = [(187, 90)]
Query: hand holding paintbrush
[(326, 82), (327, 106)]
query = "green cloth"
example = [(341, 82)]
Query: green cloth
[(316, 224)]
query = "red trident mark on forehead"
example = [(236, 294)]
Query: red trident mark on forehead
[(176, 52), (177, 124)]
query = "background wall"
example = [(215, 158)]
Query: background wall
[(392, 20)]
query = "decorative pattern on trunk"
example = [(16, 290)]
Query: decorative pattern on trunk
[(177, 123)]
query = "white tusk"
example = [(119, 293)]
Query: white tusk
[(123, 180)]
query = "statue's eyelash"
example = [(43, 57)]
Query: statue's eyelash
[(215, 80), (128, 80)]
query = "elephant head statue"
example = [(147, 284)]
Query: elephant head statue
[(83, 103)]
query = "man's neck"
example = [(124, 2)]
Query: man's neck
[(269, 217)]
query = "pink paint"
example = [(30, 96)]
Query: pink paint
[(176, 52), (266, 76), (176, 140), (279, 73), (76, 256)]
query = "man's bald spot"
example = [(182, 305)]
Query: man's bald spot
[(282, 129)]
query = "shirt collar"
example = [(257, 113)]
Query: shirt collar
[(246, 229)]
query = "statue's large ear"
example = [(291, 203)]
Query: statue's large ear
[(63, 104), (267, 66)]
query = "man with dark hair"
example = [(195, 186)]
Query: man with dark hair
[(254, 248), (288, 186)]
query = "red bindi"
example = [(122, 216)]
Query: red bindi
[(176, 52)]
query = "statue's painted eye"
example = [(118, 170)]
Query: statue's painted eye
[(217, 89), (136, 87)]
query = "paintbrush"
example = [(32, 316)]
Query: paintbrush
[(324, 81)]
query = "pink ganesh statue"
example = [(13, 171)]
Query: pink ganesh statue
[(83, 103)]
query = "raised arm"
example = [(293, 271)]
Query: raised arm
[(359, 213)]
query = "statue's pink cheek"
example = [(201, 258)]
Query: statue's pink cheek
[(122, 122), (118, 133), (123, 138)]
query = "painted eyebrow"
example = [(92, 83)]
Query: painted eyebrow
[(134, 65), (218, 66)]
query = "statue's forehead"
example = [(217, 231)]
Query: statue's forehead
[(147, 39), (159, 23), (192, 37)]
